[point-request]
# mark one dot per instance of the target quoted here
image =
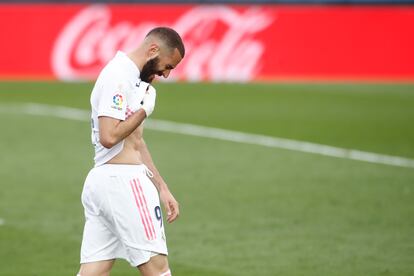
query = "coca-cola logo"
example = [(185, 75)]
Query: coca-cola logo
[(220, 43)]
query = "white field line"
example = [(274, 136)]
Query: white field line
[(220, 134), (2, 221)]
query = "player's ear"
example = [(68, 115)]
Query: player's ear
[(153, 51)]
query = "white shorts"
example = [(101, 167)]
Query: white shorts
[(123, 215)]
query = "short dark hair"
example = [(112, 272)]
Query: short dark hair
[(170, 37)]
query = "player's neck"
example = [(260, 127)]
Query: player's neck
[(138, 57)]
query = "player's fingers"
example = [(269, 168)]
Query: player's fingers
[(170, 214), (177, 209), (174, 212), (167, 209)]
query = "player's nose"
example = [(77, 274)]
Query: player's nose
[(166, 73)]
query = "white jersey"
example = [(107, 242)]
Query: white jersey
[(109, 97)]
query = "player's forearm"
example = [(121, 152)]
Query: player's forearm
[(112, 132), (147, 159), (112, 135)]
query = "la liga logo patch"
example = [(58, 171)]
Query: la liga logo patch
[(117, 100)]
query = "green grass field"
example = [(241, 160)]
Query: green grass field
[(245, 209)]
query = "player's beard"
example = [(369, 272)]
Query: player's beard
[(149, 69)]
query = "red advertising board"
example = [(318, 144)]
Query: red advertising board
[(223, 42)]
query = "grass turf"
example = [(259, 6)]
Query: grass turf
[(246, 210)]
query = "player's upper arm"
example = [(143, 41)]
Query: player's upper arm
[(111, 107), (112, 101)]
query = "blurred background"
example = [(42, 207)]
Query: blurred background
[(286, 133)]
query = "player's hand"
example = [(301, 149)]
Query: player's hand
[(136, 94), (148, 103), (170, 205)]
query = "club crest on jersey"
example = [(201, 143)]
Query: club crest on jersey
[(117, 100)]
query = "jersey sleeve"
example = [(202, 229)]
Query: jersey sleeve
[(112, 100)]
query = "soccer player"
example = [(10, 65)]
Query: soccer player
[(122, 193)]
